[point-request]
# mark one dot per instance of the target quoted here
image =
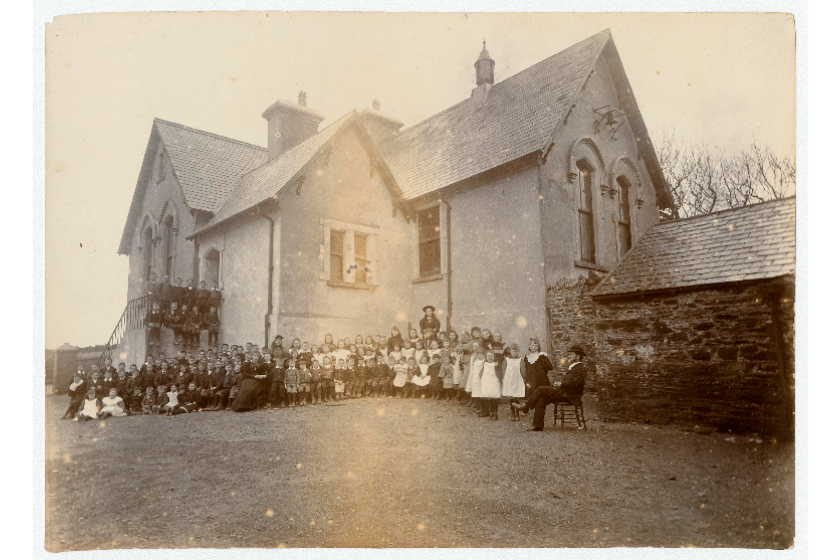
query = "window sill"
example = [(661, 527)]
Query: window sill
[(590, 266), (431, 278), (358, 286)]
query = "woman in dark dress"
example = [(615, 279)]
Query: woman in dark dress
[(429, 325), (537, 365), (252, 385)]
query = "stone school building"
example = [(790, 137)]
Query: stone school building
[(532, 181)]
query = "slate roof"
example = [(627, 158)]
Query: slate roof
[(517, 118), (208, 166), (750, 243), (264, 182)]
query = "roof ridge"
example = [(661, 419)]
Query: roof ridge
[(605, 32), (219, 136), (696, 216)]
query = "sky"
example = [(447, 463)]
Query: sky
[(718, 79)]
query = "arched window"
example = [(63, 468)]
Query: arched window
[(585, 213), (624, 236), (168, 244), (211, 266), (147, 253), (161, 167)]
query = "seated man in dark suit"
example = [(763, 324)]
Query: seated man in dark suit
[(570, 389)]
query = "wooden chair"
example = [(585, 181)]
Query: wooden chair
[(566, 409)]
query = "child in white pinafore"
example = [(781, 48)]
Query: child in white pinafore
[(491, 389), (473, 387), (400, 377), (513, 382), (112, 405), (170, 406), (90, 407)]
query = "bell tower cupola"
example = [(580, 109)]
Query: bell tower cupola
[(484, 67)]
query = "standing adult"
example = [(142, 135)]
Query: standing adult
[(568, 389), (537, 365)]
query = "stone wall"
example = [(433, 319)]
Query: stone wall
[(572, 318), (706, 357)]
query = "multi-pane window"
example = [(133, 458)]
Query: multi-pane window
[(624, 239), (360, 242), (428, 225), (336, 255), (349, 255), (585, 217)]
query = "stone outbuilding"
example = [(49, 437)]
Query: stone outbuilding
[(696, 324)]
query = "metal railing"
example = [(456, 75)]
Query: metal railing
[(133, 318)]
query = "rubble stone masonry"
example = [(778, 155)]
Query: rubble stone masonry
[(706, 357)]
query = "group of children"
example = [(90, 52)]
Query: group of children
[(185, 310), (476, 369)]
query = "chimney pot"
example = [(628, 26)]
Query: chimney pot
[(302, 98)]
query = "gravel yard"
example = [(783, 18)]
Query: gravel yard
[(405, 473)]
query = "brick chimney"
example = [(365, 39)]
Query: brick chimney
[(379, 125), (290, 124)]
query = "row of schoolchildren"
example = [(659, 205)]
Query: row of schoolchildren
[(166, 293), (185, 310), (433, 368), (185, 324)]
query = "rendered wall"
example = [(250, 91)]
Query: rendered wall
[(306, 305), (497, 273)]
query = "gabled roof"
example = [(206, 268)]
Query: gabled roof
[(516, 119), (266, 181), (749, 243), (208, 166)]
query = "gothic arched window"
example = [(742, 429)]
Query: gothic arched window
[(624, 237), (585, 213)]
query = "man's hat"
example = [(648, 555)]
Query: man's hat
[(280, 336), (432, 307), (578, 349)]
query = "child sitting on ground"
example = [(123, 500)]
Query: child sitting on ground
[(112, 405), (77, 392), (160, 400), (135, 405), (172, 400), (148, 402), (90, 407)]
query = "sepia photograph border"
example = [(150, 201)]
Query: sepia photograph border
[(45, 11)]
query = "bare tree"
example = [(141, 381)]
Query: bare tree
[(703, 180)]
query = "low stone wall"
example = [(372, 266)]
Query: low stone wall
[(706, 357)]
